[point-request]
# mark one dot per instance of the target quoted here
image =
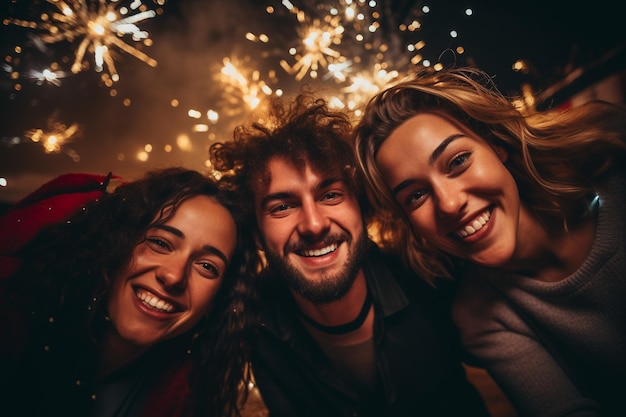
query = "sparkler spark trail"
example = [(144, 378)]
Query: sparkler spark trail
[(54, 139), (101, 28), (363, 85), (47, 76), (317, 49), (243, 86)]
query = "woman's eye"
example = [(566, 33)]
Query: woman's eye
[(414, 199), (459, 160), (210, 270), (157, 243)]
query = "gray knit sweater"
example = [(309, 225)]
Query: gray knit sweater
[(557, 349)]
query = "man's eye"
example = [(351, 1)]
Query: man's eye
[(333, 197), (280, 207)]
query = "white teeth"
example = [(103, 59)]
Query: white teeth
[(320, 252), (475, 225), (154, 302)]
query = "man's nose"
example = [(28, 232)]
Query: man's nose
[(314, 221)]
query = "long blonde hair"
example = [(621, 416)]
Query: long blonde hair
[(556, 157)]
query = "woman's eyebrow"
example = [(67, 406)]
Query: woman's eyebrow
[(170, 229), (180, 234), (215, 251), (401, 187), (442, 146)]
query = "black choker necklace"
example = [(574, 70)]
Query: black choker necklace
[(343, 328)]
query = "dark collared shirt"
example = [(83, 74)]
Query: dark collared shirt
[(416, 347)]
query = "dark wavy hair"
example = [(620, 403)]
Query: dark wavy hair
[(68, 268), (302, 132)]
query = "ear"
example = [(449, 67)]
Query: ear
[(501, 152)]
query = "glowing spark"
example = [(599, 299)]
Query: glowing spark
[(100, 28), (370, 84), (54, 139), (363, 86), (241, 85), (47, 76), (317, 50)]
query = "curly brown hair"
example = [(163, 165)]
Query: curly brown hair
[(301, 132)]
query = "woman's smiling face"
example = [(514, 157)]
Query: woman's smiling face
[(174, 275), (453, 187)]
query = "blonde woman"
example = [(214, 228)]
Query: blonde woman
[(528, 213)]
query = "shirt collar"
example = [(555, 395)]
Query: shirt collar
[(280, 314)]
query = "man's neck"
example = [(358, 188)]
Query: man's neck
[(340, 312)]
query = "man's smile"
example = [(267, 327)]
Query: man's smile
[(318, 252)]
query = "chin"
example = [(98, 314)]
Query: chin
[(497, 261)]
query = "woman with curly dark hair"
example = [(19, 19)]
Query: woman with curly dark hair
[(134, 306)]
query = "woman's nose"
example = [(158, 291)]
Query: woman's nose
[(173, 273), (450, 200)]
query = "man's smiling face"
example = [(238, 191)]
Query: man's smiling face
[(312, 230)]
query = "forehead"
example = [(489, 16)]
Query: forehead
[(203, 219), (427, 124), (283, 173), (424, 131), (287, 179)]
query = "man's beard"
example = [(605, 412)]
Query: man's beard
[(324, 288)]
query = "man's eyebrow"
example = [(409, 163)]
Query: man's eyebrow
[(328, 182), (276, 196), (282, 195), (176, 232), (442, 146)]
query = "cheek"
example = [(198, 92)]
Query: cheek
[(127, 273), (115, 299), (203, 296), (353, 213), (421, 220), (276, 234), (494, 171)]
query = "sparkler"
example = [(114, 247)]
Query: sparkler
[(55, 138), (338, 42), (364, 85), (47, 75), (242, 85), (100, 28), (317, 49)]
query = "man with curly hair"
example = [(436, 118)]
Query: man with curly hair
[(344, 329)]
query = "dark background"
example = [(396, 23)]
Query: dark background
[(190, 39)]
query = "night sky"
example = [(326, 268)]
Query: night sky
[(191, 38)]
